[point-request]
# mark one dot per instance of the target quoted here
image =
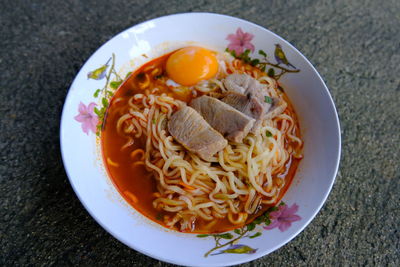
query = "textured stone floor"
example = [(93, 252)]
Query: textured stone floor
[(355, 46)]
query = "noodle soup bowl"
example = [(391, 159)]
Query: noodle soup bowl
[(101, 75)]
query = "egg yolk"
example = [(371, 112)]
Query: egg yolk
[(190, 65)]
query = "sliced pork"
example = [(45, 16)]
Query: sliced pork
[(189, 128), (237, 83), (250, 106), (240, 83), (249, 96), (231, 123)]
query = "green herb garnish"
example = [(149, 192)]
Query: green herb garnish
[(268, 100), (159, 217), (268, 133)]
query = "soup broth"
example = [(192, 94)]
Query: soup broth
[(136, 184)]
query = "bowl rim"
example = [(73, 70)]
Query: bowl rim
[(178, 262)]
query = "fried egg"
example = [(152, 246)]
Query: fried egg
[(190, 65)]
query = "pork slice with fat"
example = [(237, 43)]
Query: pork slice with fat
[(231, 123), (249, 96), (189, 128), (250, 106)]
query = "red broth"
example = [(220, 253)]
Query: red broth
[(136, 184)]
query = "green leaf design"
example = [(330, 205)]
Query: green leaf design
[(98, 129), (115, 84), (108, 73), (244, 231), (128, 74), (246, 52), (255, 62), (259, 219), (97, 111), (226, 236), (245, 56), (232, 52), (104, 101), (251, 226), (273, 209), (271, 72), (255, 235), (96, 93), (202, 235), (262, 53), (263, 63)]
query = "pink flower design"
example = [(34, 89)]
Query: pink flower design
[(87, 117), (240, 41), (283, 217)]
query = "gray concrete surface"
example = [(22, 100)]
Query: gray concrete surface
[(354, 45)]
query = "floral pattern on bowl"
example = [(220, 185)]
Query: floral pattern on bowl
[(280, 216), (92, 117)]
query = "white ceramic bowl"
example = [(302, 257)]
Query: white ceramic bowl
[(82, 155)]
